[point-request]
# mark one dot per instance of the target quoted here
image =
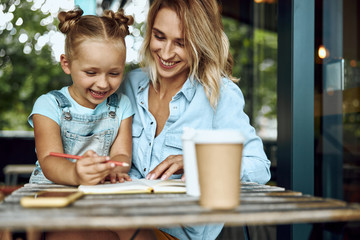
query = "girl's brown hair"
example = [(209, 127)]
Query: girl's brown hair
[(110, 27), (205, 41)]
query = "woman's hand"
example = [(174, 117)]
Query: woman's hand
[(92, 168), (173, 164)]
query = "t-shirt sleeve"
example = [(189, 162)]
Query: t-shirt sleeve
[(125, 109), (47, 106)]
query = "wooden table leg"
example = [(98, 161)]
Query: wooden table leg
[(33, 234), (5, 235)]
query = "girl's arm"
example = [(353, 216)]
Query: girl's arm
[(121, 151), (90, 169)]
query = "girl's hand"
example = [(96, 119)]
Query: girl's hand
[(173, 164), (117, 176), (92, 168)]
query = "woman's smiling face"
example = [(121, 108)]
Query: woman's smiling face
[(167, 46)]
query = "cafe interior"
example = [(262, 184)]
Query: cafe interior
[(299, 67)]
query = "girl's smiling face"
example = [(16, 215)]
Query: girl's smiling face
[(96, 71), (167, 46)]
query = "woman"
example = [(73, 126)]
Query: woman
[(186, 82)]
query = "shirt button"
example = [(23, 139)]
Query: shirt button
[(144, 169), (36, 172), (151, 123), (149, 143)]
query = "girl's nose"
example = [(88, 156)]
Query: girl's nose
[(102, 82)]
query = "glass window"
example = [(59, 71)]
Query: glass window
[(251, 29), (337, 102), (338, 99)]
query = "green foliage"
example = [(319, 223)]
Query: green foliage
[(26, 73), (25, 76), (255, 63)]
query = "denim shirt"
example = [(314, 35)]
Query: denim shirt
[(190, 108)]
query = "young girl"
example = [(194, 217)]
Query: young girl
[(87, 118)]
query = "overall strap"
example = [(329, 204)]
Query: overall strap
[(61, 99), (63, 103), (112, 103)]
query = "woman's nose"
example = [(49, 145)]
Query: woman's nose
[(167, 52)]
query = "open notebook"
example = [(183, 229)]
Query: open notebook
[(136, 186)]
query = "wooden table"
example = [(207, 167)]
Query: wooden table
[(260, 205)]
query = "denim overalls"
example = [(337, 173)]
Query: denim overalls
[(80, 132)]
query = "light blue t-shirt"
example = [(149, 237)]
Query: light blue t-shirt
[(47, 105), (190, 108)]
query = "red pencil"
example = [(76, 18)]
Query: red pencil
[(124, 164)]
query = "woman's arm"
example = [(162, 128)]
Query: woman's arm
[(229, 114)]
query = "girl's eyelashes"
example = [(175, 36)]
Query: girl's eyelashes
[(90, 73), (114, 74)]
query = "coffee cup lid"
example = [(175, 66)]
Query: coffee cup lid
[(214, 136), (188, 133)]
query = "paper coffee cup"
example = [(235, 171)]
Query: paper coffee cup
[(218, 154), (190, 164)]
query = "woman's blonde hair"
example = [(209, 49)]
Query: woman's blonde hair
[(111, 27), (205, 41)]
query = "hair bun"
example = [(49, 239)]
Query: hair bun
[(122, 20), (68, 19)]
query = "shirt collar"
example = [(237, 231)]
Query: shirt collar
[(188, 89), (143, 84)]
